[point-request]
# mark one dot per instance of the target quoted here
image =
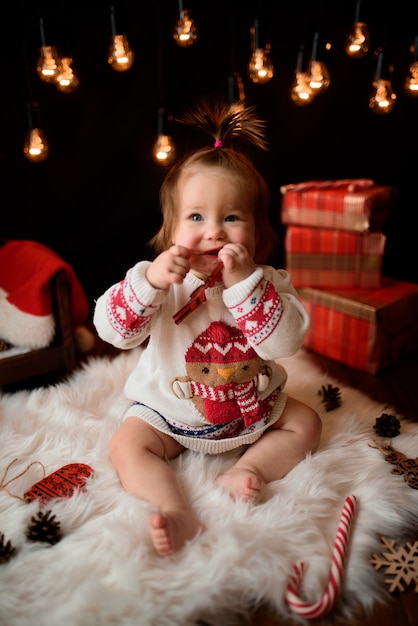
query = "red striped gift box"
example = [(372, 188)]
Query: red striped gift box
[(368, 330), (330, 259), (356, 205)]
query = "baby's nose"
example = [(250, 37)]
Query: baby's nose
[(216, 230)]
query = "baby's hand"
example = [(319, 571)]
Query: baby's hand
[(238, 264), (170, 267)]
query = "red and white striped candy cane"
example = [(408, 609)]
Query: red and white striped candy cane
[(325, 604)]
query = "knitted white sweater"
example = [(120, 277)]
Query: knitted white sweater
[(211, 381)]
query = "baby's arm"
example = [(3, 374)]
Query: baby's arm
[(269, 312), (124, 312)]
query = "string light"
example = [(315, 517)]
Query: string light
[(358, 38), (164, 150), (260, 66), (48, 60), (309, 79), (382, 99), (67, 80), (319, 78), (301, 92), (121, 56), (411, 80), (35, 147), (185, 31)]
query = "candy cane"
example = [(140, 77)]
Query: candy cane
[(325, 604)]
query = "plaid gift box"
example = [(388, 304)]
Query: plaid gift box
[(354, 204), (327, 258), (368, 330)]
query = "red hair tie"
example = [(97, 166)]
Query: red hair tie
[(218, 143)]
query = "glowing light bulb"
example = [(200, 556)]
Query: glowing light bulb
[(48, 58), (121, 57), (301, 93), (164, 150), (236, 94), (319, 77), (185, 31), (358, 40), (382, 99), (48, 64), (67, 80), (260, 66), (35, 147), (411, 80)]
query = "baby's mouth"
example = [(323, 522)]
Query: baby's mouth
[(211, 252)]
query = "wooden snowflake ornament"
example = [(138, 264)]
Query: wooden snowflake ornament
[(408, 468), (401, 564)]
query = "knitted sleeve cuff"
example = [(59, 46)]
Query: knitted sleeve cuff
[(236, 294), (145, 293)]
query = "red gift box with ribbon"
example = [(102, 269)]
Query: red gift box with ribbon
[(329, 259), (357, 205), (366, 329)]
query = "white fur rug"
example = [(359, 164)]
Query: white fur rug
[(104, 571)]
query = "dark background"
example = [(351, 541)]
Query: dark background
[(95, 199)]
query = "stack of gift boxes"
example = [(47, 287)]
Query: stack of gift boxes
[(334, 248)]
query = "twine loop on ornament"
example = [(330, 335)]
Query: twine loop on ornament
[(4, 485)]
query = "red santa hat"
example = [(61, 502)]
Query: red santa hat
[(220, 343), (26, 316)]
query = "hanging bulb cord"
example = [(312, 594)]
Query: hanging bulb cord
[(112, 20), (42, 31), (357, 13)]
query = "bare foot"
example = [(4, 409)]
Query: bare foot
[(169, 531), (242, 484)]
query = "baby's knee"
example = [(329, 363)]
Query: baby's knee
[(307, 423), (115, 446), (314, 427)]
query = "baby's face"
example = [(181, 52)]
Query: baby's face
[(212, 212)]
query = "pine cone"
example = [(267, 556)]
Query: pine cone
[(44, 528), (387, 426), (7, 550), (331, 397)]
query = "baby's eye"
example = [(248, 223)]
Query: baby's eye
[(231, 218), (196, 217)]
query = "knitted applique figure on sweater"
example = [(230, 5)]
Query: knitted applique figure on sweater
[(224, 376)]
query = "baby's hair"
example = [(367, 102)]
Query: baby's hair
[(226, 125), (228, 129)]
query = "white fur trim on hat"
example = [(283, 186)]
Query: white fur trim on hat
[(24, 329)]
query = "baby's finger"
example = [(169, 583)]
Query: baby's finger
[(180, 251)]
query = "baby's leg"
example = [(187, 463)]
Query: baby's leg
[(138, 453), (271, 457)]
